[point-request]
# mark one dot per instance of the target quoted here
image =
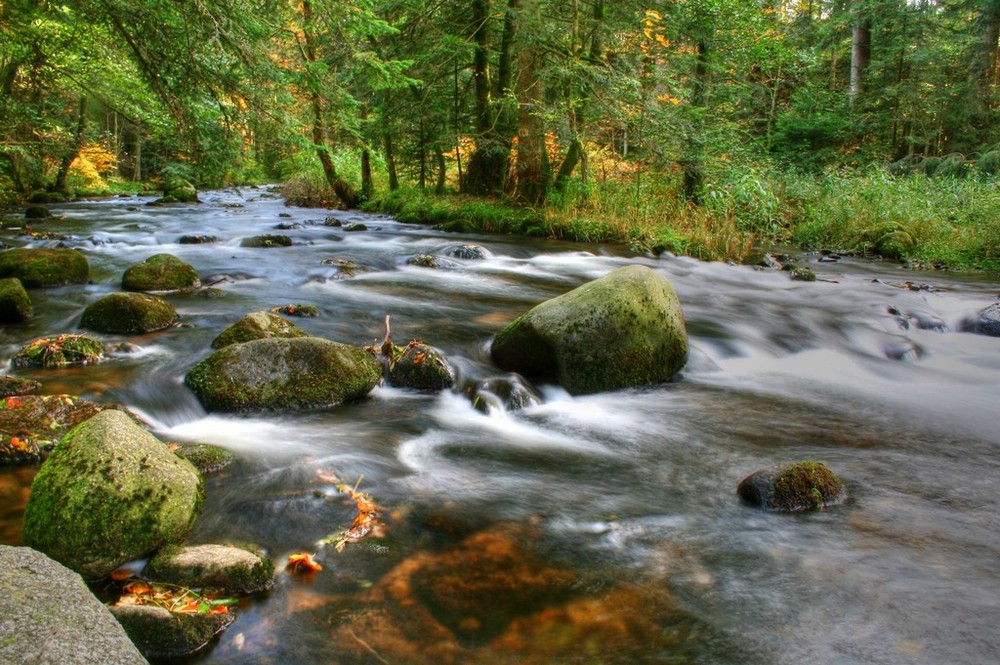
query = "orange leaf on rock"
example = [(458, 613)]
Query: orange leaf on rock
[(302, 563)]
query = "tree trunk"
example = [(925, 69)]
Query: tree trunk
[(861, 46), (390, 161), (533, 174), (442, 170), (481, 65), (74, 151)]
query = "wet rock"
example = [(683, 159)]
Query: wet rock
[(297, 309), (345, 268), (128, 313), (197, 240), (208, 459), (160, 273), (793, 487), (894, 245), (623, 330), (356, 226), (40, 268), (420, 367), (279, 373), (332, 221), (15, 305), (13, 385), (178, 190), (48, 616), (266, 241), (423, 261), (503, 394), (985, 322), (161, 634), (802, 274), (32, 425), (37, 212), (468, 252), (257, 325), (919, 319), (289, 226), (227, 570), (59, 351), (110, 492)]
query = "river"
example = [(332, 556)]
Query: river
[(630, 494)]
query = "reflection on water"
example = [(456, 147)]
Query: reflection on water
[(610, 522)]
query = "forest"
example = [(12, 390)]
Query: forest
[(700, 127)]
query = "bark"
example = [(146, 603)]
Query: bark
[(481, 65), (390, 161), (861, 45), (442, 170), (533, 173), (74, 151)]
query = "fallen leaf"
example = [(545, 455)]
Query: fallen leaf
[(302, 563)]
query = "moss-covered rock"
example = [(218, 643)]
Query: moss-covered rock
[(161, 634), (37, 212), (59, 351), (179, 190), (227, 570), (14, 385), (197, 239), (15, 305), (109, 493), (420, 367), (793, 487), (625, 329), (32, 425), (268, 240), (128, 313), (208, 459), (160, 273), (302, 310), (40, 268), (257, 325), (281, 373)]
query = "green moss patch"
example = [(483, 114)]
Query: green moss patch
[(15, 305), (793, 487), (257, 325), (128, 313), (39, 268), (160, 273), (59, 351)]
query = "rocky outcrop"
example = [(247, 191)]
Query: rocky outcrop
[(39, 268), (109, 493), (227, 570), (279, 373), (15, 305), (48, 616), (623, 330), (128, 313), (160, 273), (257, 325), (793, 487)]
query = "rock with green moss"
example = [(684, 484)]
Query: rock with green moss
[(110, 492), (161, 634), (37, 212), (180, 191), (160, 273), (128, 313), (420, 367), (281, 373), (227, 570), (793, 487), (15, 305), (268, 240), (257, 325), (39, 267), (32, 425), (623, 330), (60, 351), (208, 459)]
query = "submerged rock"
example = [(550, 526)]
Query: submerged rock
[(128, 313), (625, 329), (109, 493), (279, 373), (503, 394), (40, 268), (257, 325), (160, 273), (793, 487), (59, 351), (15, 305), (162, 634), (420, 367), (48, 616), (226, 570), (985, 322)]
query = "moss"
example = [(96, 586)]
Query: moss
[(59, 351), (268, 240), (257, 325), (128, 313), (809, 484), (15, 305), (420, 367), (39, 268), (161, 634), (160, 272), (297, 309), (206, 458)]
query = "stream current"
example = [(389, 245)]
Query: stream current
[(632, 487)]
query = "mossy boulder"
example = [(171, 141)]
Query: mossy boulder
[(59, 351), (15, 305), (793, 487), (128, 313), (32, 425), (281, 373), (420, 367), (179, 190), (110, 492), (257, 325), (39, 267), (985, 322), (37, 212), (160, 273), (160, 634), (268, 240), (895, 245), (226, 570), (623, 330)]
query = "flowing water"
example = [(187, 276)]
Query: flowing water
[(626, 490)]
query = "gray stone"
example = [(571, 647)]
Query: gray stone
[(160, 633), (227, 570)]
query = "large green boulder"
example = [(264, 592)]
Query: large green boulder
[(179, 190), (110, 492), (128, 313), (39, 267), (15, 305), (625, 329), (257, 325), (160, 273), (280, 373)]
